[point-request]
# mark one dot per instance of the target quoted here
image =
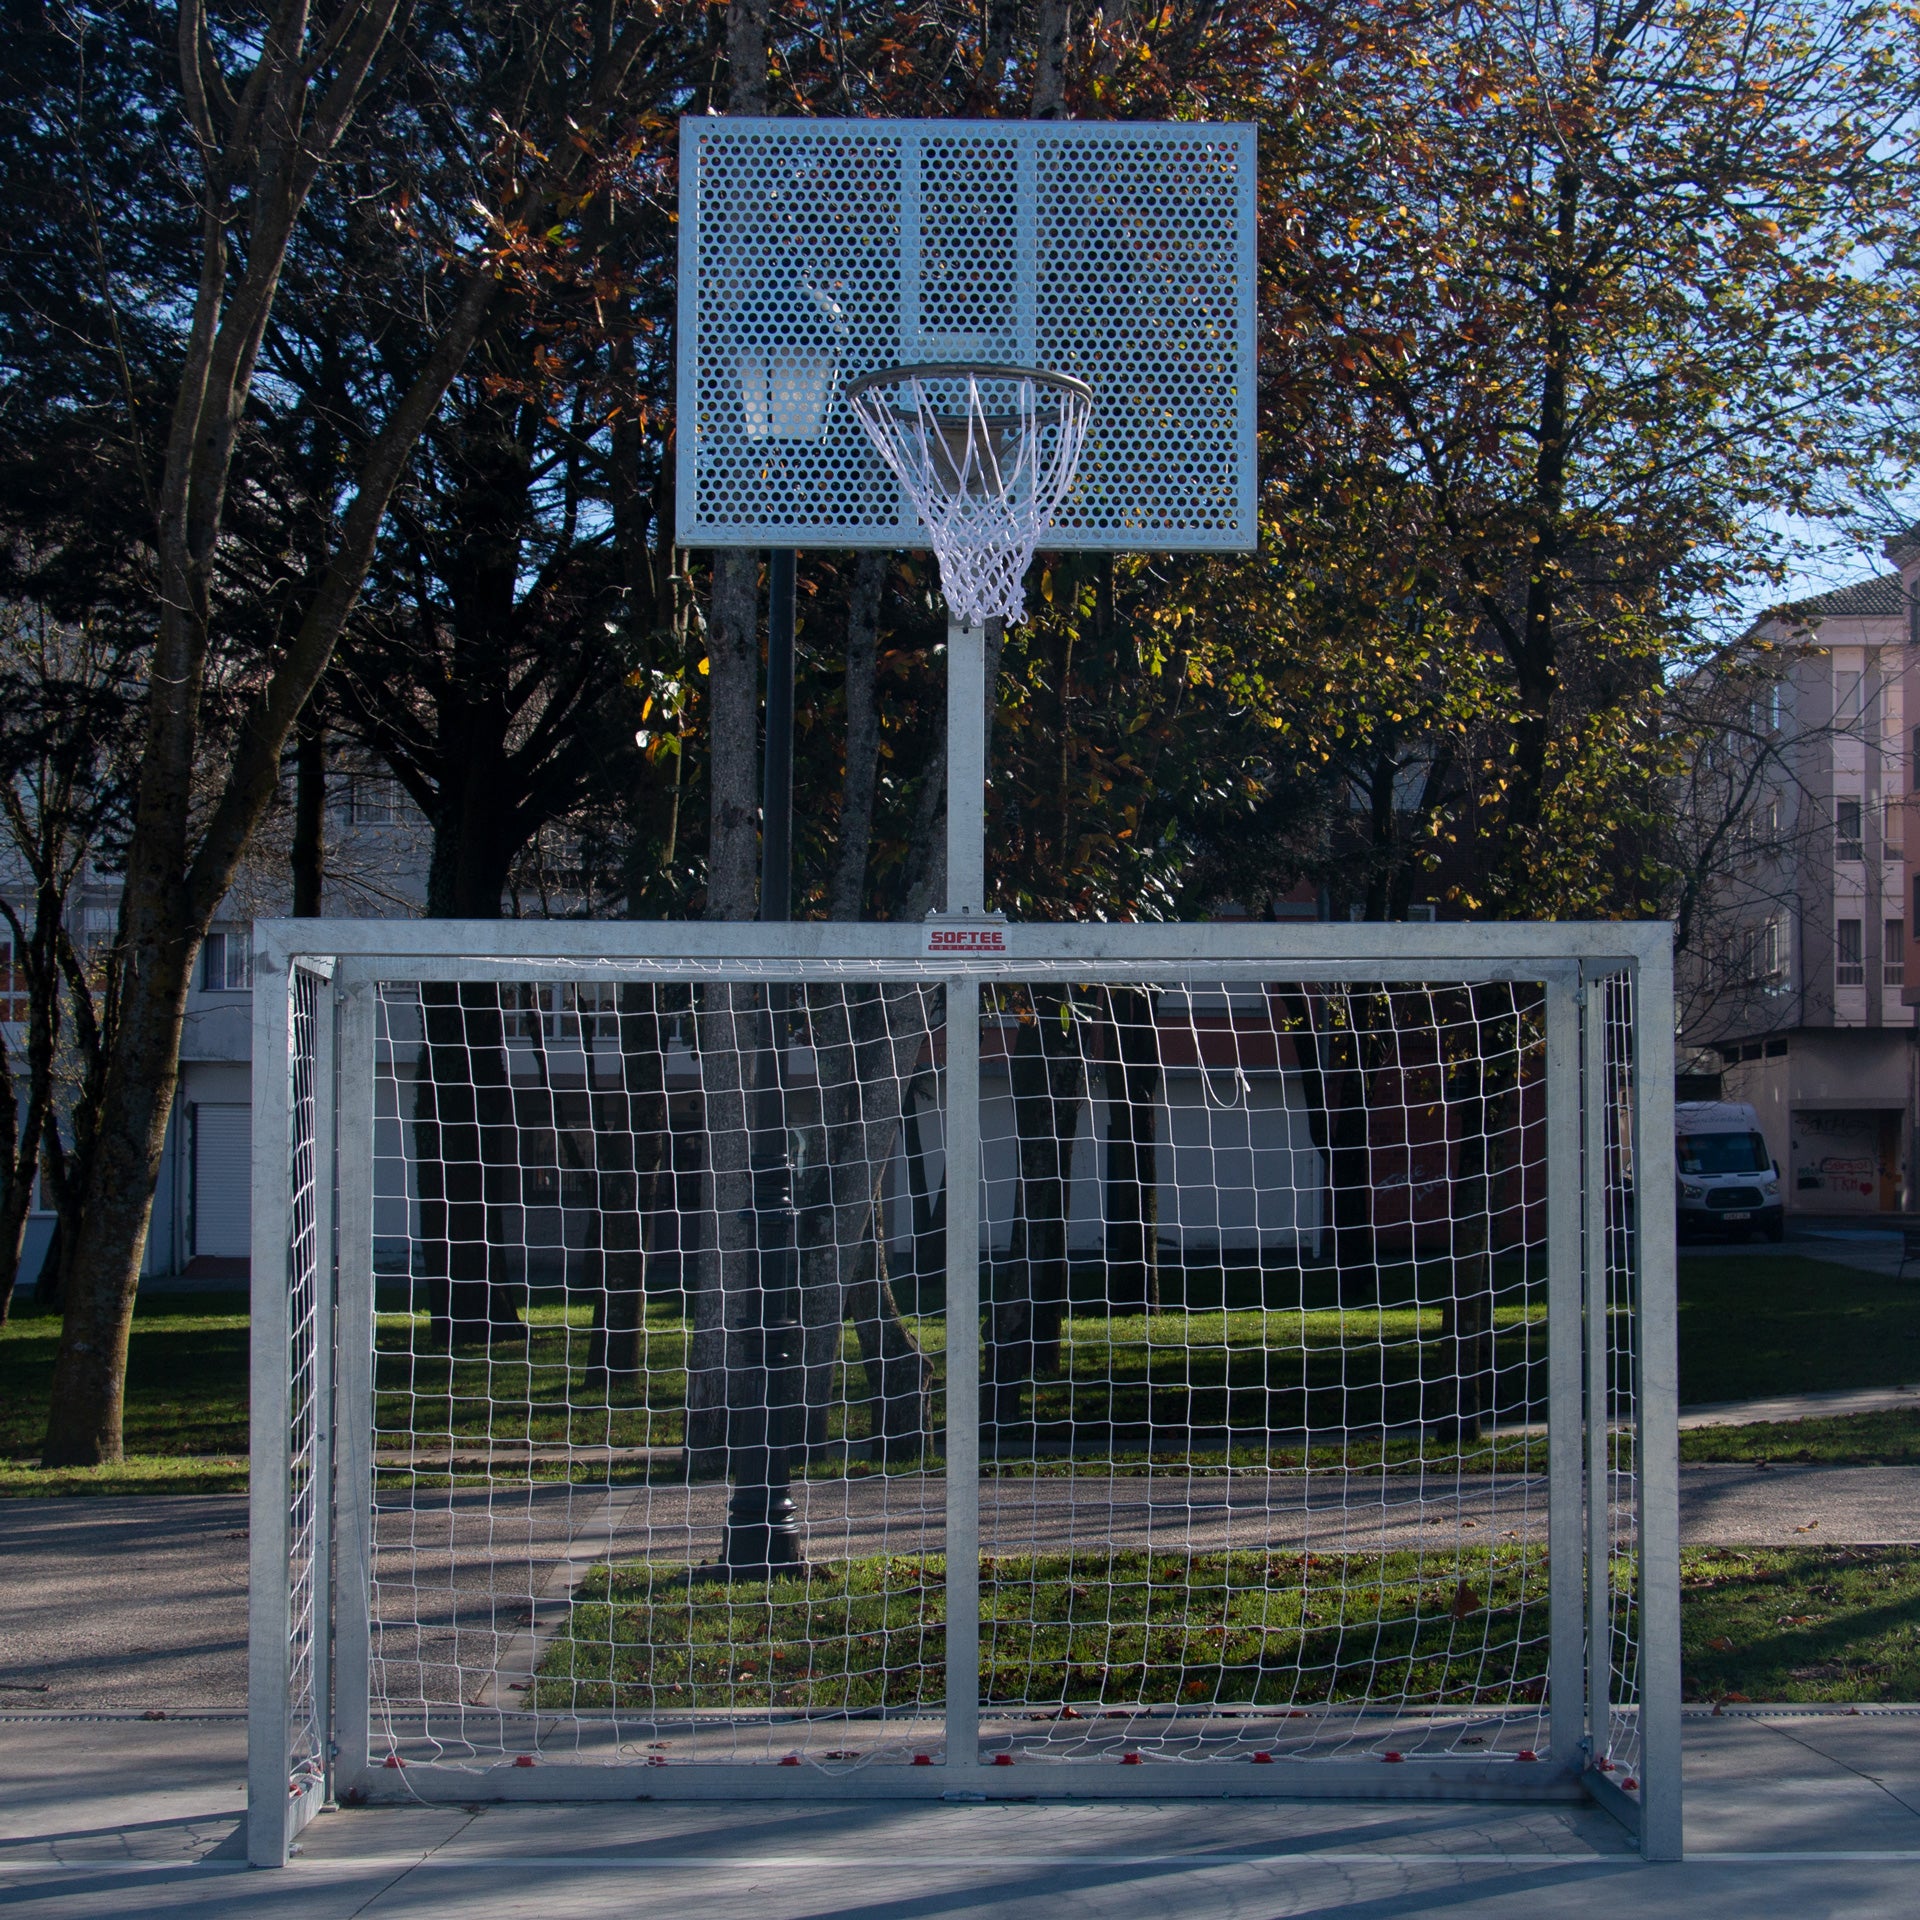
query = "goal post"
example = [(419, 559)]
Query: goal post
[(1289, 1410)]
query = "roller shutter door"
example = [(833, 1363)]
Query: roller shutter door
[(222, 1182)]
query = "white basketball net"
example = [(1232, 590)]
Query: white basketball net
[(986, 454)]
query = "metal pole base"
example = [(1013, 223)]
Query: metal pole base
[(763, 1535)]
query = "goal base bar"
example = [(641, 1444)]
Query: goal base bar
[(1075, 1780)]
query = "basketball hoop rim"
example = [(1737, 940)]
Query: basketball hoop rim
[(1067, 383)]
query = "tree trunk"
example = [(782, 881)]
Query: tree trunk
[(733, 758), (632, 1148), (89, 1372), (1133, 1088), (1466, 1319), (869, 1042), (23, 1125), (467, 1160), (19, 1152), (1050, 61), (1030, 1295), (846, 891), (928, 1208), (309, 858), (1333, 1085), (182, 854)]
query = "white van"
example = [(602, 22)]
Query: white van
[(1728, 1181)]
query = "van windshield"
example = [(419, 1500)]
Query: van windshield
[(1711, 1153)]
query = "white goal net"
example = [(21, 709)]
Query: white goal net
[(1225, 1352)]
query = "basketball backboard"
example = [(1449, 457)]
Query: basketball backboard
[(816, 251)]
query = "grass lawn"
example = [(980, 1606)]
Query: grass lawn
[(1890, 1439), (1163, 1386), (186, 1406), (1812, 1624), (1750, 1328), (1129, 1382), (1088, 1628), (1816, 1625)]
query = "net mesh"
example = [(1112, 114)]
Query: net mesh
[(986, 456), (1262, 1345)]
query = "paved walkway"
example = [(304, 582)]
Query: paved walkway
[(1788, 1814), (1801, 1406), (1871, 1247), (129, 1603)]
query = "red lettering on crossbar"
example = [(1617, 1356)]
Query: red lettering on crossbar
[(966, 940)]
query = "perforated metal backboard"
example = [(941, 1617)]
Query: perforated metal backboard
[(814, 251)]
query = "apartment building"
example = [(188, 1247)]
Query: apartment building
[(377, 847), (1800, 1000)]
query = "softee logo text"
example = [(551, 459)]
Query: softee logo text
[(966, 940)]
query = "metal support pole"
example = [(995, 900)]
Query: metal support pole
[(1597, 1289), (356, 1009), (1657, 1441), (963, 1377), (269, 1604), (966, 768), (326, 1346), (966, 893), (1566, 1677), (764, 1421)]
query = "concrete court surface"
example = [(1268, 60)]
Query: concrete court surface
[(1802, 1815)]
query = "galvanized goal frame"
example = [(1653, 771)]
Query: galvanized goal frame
[(1550, 1571)]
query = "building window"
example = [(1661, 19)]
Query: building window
[(570, 1015), (1775, 950), (227, 965), (1893, 830), (373, 800), (1850, 967), (1849, 841), (1853, 704), (1893, 956), (13, 985)]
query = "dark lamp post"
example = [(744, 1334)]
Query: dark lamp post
[(787, 384), (766, 1391)]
